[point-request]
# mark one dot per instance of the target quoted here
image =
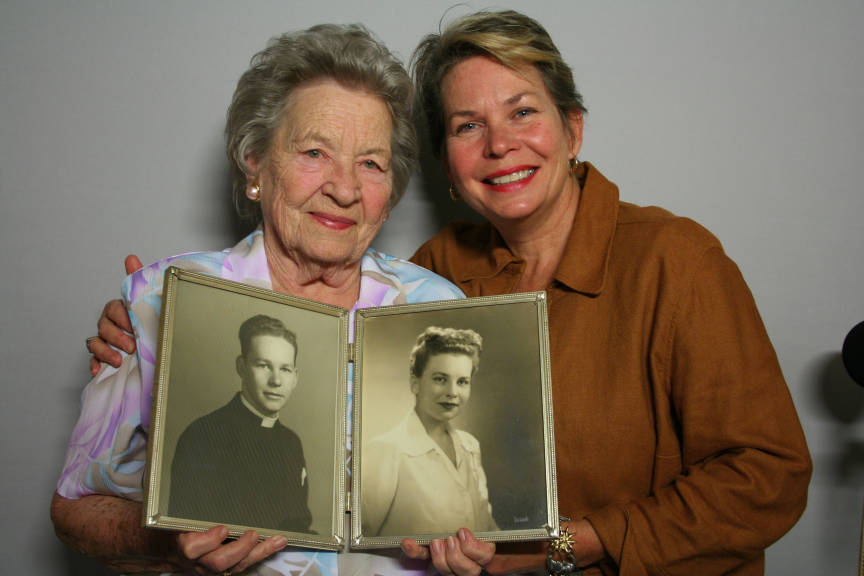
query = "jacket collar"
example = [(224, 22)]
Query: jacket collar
[(586, 258), (585, 261)]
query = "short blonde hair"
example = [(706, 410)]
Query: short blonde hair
[(511, 38)]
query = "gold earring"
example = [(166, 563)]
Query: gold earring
[(454, 195), (574, 165)]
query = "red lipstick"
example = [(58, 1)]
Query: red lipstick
[(509, 179)]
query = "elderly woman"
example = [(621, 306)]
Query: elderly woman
[(321, 145), (678, 448), (424, 476)]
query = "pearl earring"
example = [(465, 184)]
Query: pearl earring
[(253, 193)]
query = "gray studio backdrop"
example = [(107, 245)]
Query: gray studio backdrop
[(743, 115)]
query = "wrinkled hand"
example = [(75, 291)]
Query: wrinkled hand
[(115, 329), (204, 554)]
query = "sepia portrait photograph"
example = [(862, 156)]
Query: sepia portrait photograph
[(453, 422), (249, 413)]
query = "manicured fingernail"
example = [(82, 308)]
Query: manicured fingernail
[(463, 534), (279, 542), (451, 543), (437, 546)]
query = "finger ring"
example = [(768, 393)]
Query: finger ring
[(226, 573), (90, 339)]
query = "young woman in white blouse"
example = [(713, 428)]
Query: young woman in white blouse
[(424, 476)]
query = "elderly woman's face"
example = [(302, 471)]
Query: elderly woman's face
[(507, 148), (327, 179), (444, 387)]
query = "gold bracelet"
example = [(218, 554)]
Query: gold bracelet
[(562, 545)]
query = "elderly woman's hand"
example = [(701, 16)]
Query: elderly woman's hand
[(115, 329), (203, 553), (108, 528)]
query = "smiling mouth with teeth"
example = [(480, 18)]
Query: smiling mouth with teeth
[(510, 178)]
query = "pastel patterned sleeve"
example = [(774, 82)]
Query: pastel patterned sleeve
[(108, 447), (107, 450)]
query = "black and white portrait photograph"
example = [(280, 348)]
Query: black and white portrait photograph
[(451, 422), (251, 410)]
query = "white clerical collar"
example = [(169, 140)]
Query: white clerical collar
[(266, 421)]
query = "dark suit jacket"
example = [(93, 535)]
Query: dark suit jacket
[(229, 469)]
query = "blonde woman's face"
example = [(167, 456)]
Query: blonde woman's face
[(444, 387), (508, 150)]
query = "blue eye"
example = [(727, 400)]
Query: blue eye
[(313, 153), (466, 127), (371, 164), (525, 112)]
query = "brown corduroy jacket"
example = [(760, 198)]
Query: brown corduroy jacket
[(675, 433)]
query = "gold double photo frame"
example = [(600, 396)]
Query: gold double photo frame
[(450, 417)]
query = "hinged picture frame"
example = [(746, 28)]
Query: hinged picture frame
[(230, 446)]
